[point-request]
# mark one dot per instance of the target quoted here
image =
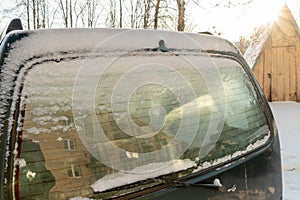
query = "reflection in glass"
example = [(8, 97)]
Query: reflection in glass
[(53, 154)]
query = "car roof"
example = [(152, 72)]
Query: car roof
[(53, 40)]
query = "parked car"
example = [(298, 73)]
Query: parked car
[(132, 114)]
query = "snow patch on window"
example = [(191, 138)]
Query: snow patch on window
[(36, 131), (30, 175), (16, 149), (42, 120), (140, 173), (21, 162), (49, 110), (80, 198), (236, 154), (63, 128), (61, 118)]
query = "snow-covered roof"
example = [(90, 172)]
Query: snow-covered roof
[(256, 46), (257, 43)]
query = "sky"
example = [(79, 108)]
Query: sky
[(234, 22), (231, 22)]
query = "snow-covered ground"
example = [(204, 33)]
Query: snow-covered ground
[(287, 115)]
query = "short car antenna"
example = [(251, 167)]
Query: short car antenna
[(162, 47)]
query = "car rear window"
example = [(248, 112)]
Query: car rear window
[(100, 127)]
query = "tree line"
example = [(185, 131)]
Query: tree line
[(154, 14)]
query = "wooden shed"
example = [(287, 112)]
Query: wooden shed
[(274, 56)]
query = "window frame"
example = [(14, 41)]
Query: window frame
[(73, 169), (68, 141)]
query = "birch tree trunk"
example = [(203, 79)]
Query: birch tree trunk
[(37, 14), (121, 14), (181, 15), (28, 14), (33, 14), (146, 13), (156, 14), (71, 14)]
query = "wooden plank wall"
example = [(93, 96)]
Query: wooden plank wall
[(278, 67)]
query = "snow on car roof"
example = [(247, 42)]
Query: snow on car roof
[(47, 40)]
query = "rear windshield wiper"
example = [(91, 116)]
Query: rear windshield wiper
[(216, 185)]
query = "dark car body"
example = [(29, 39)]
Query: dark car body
[(52, 147)]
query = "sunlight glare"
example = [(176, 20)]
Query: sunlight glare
[(265, 11), (259, 13)]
